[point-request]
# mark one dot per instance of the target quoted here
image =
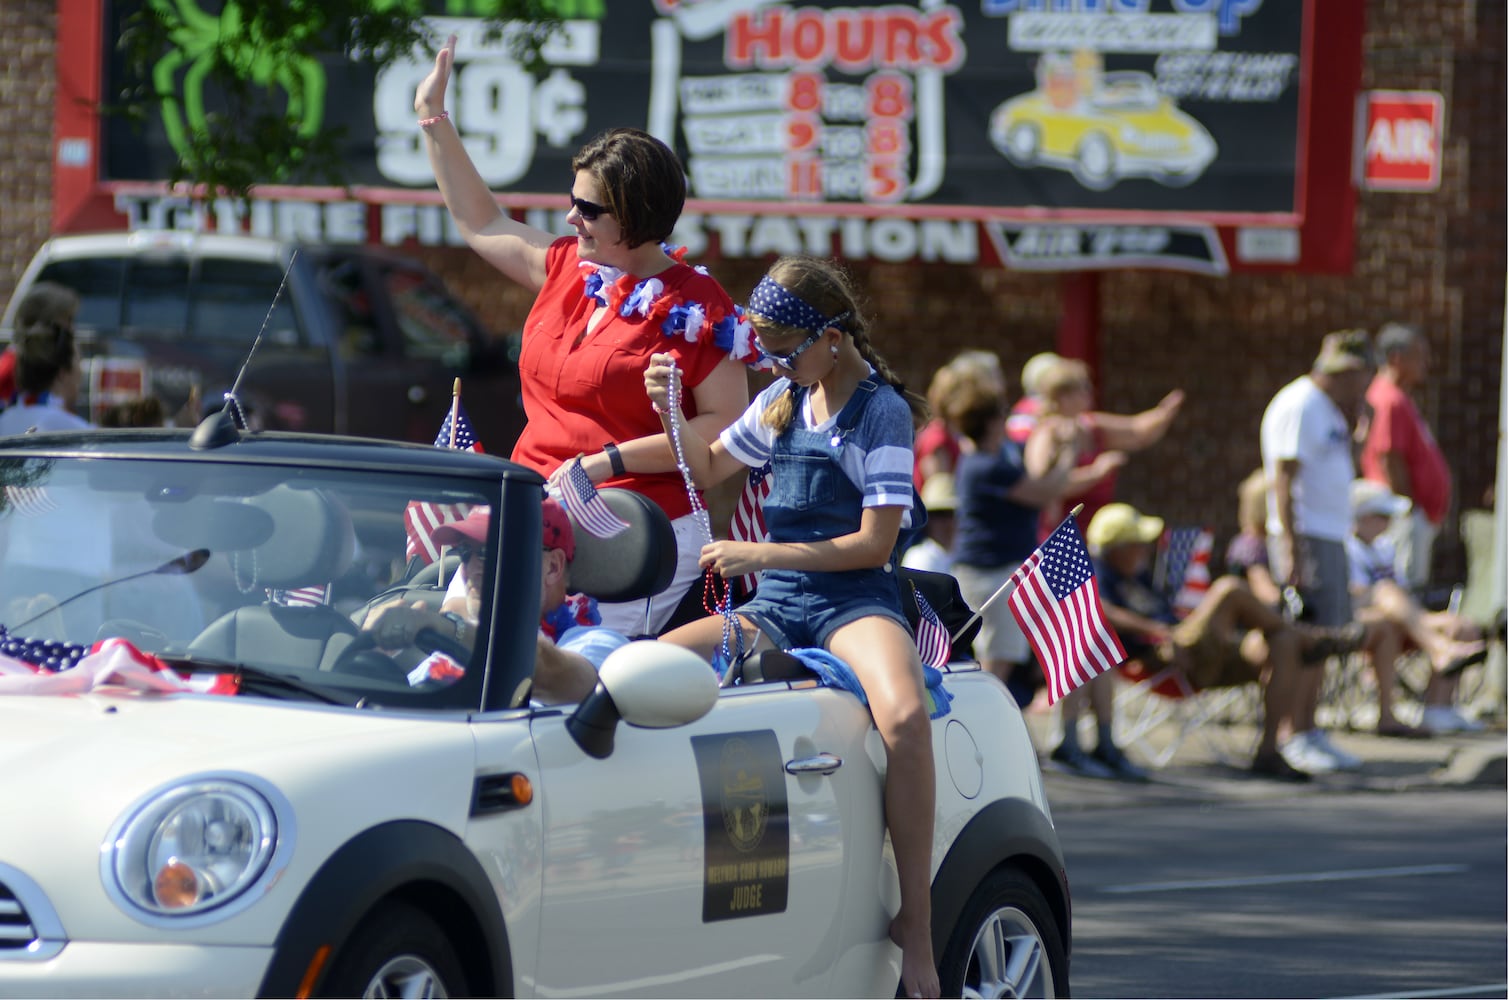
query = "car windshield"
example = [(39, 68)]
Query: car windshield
[(210, 566)]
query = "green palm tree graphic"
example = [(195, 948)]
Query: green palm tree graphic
[(198, 40)]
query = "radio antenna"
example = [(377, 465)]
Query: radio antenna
[(232, 402)]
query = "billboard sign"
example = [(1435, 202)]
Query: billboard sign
[(973, 109)]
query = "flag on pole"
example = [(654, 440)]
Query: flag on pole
[(1057, 606), (748, 522), (1186, 566), (933, 643), (586, 506), (421, 517)]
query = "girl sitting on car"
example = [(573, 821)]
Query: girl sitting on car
[(837, 431)]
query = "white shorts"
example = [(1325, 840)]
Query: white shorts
[(1000, 638), (629, 617)]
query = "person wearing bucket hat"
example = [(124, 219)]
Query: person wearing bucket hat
[(572, 643), (931, 553), (1393, 615), (1230, 638), (1306, 438)]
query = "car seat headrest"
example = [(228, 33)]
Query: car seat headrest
[(634, 564), (313, 541)]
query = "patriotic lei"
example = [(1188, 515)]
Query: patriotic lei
[(616, 289), (576, 610)]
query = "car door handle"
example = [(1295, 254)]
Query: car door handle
[(823, 763)]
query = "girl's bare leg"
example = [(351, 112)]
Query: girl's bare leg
[(884, 659)]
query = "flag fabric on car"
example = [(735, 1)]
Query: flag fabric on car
[(748, 522), (586, 506), (1186, 566), (422, 517), (933, 643), (1055, 602)]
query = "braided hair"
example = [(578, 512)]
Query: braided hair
[(825, 286)]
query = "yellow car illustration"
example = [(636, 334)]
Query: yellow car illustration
[(1124, 128)]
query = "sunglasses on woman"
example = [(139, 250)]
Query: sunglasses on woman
[(466, 552), (588, 210)]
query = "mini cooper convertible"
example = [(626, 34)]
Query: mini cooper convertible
[(215, 784)]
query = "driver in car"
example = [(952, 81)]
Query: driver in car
[(572, 642)]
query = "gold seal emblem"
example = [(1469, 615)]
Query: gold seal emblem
[(746, 803)]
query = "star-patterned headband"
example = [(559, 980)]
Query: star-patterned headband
[(773, 301)]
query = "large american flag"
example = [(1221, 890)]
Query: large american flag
[(421, 517), (748, 522), (1056, 604), (1186, 566)]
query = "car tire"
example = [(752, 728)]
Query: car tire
[(1022, 142), (397, 950), (1095, 162), (1006, 943)]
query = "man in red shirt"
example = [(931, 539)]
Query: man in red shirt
[(1401, 452)]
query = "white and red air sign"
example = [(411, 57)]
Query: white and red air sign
[(1403, 134)]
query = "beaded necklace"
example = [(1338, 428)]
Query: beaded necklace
[(732, 649)]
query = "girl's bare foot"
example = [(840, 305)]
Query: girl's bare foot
[(919, 973)]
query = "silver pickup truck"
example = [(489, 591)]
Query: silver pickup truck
[(362, 340)]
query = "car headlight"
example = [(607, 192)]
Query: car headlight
[(192, 847), (1130, 134)]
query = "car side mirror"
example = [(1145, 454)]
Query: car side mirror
[(650, 684)]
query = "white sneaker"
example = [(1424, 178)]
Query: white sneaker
[(1445, 719), (1303, 755), (1344, 761)]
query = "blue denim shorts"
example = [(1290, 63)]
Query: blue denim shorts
[(799, 610)]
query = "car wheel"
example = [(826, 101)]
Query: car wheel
[(397, 951), (1022, 143), (1006, 943), (1095, 162)]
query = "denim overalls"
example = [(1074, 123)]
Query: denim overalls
[(812, 499)]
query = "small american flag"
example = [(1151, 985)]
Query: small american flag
[(301, 597), (587, 507), (1056, 604), (933, 643), (1186, 566), (748, 522), (421, 517)]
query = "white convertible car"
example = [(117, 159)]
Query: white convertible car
[(215, 785)]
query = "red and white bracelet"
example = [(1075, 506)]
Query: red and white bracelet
[(427, 122)]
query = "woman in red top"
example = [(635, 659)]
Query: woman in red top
[(608, 297)]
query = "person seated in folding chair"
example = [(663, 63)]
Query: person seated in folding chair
[(1381, 599), (1229, 638)]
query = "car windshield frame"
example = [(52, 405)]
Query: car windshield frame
[(162, 547)]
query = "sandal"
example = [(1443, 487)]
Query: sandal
[(1403, 731), (1461, 663)]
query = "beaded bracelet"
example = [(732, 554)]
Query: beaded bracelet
[(427, 122)]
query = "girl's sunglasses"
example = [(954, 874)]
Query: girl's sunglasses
[(788, 361), (589, 211)]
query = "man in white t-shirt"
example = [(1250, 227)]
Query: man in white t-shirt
[(1307, 446)]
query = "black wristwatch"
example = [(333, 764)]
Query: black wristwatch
[(615, 460)]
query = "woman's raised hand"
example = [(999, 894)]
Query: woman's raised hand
[(657, 380), (429, 99)]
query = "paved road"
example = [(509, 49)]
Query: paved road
[(1311, 896)]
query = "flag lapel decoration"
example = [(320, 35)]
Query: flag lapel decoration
[(1058, 608), (933, 643), (748, 523), (421, 517), (587, 507), (1187, 567)]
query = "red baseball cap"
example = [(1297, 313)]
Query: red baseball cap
[(473, 528)]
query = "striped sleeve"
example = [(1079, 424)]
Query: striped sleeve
[(747, 439), (887, 430)]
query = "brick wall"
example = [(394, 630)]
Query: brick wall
[(27, 30), (1435, 259)]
